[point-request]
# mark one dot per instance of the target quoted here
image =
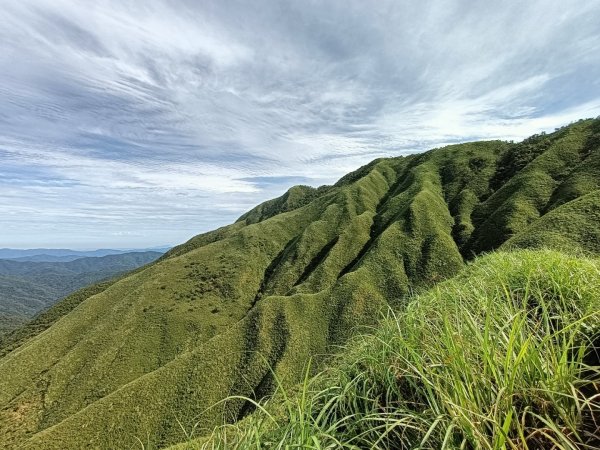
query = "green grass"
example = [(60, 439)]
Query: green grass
[(498, 357), (27, 287), (571, 227), (554, 175), (241, 309)]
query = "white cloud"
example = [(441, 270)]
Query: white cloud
[(153, 120)]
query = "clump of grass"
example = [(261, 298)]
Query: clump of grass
[(503, 356)]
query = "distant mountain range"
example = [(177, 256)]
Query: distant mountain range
[(65, 255), (29, 284)]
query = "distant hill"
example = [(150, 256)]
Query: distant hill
[(65, 255), (194, 339), (47, 258), (27, 287), (10, 253)]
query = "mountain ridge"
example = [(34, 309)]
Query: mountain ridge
[(288, 281), (66, 255)]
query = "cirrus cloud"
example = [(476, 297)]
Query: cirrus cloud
[(131, 123)]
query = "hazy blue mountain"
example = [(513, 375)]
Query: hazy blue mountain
[(47, 258), (65, 254)]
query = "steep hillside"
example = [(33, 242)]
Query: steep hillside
[(158, 350), (505, 355), (27, 288)]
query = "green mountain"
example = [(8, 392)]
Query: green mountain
[(234, 312), (28, 287), (504, 355)]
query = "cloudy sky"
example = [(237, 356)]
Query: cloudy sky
[(133, 123)]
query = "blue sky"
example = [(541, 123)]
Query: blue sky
[(132, 123)]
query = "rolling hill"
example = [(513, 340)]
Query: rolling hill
[(47, 254), (152, 355), (28, 287)]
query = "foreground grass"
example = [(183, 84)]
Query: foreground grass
[(502, 356)]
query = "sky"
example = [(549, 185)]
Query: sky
[(132, 123)]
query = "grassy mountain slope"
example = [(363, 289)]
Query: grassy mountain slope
[(27, 288), (42, 321), (19, 299), (287, 281), (501, 356)]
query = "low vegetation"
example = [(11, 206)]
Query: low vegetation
[(29, 287), (505, 355)]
